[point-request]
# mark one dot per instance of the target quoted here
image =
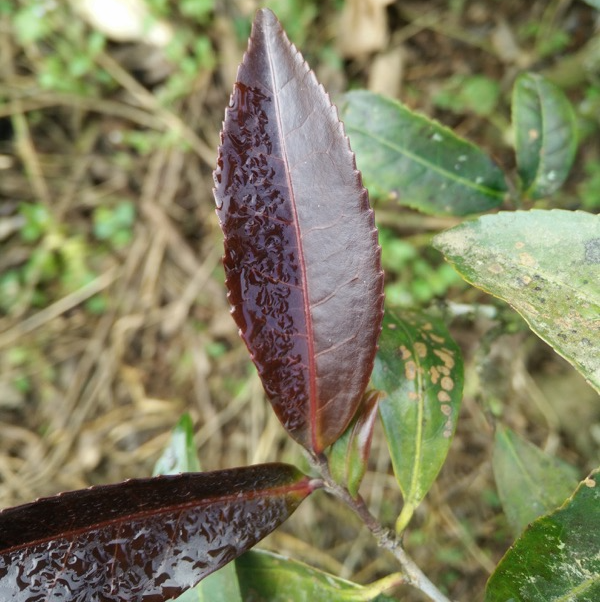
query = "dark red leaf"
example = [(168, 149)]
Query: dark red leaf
[(301, 254), (142, 540)]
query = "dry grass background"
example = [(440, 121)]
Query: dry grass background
[(90, 397)]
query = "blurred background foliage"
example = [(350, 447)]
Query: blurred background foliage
[(113, 315)]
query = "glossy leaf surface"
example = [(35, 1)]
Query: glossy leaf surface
[(556, 559), (417, 161), (545, 135), (301, 258), (349, 455), (180, 455), (546, 264), (419, 368), (141, 540), (530, 482), (268, 577)]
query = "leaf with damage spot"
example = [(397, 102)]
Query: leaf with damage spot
[(268, 577), (545, 135), (546, 264), (419, 367), (417, 161), (557, 558), (144, 539), (302, 260), (530, 482)]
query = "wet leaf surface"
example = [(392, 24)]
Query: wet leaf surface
[(145, 539), (301, 256), (419, 368), (556, 558), (180, 455), (268, 577), (546, 264), (530, 482), (417, 161), (545, 135)]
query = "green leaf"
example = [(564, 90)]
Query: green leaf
[(593, 3), (268, 577), (556, 559), (417, 161), (545, 135), (180, 456), (530, 482), (420, 368), (349, 455), (546, 264)]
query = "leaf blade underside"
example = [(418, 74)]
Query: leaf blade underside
[(301, 257), (145, 539)]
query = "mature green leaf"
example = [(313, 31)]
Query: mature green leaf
[(180, 455), (349, 455), (545, 135), (594, 3), (546, 264), (420, 369), (556, 559), (268, 577), (530, 482), (417, 161)]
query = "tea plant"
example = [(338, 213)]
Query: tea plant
[(305, 283)]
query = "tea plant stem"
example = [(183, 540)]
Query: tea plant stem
[(385, 538)]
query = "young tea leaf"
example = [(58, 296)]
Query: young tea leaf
[(144, 539), (301, 255), (349, 455), (268, 577), (546, 264), (530, 482), (417, 161), (545, 135), (420, 368), (556, 559)]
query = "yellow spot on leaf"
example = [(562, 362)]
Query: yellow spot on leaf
[(519, 245), (589, 482), (496, 268), (446, 409), (404, 352), (527, 259), (533, 135), (436, 338), (421, 349), (443, 396), (434, 375), (447, 383), (412, 396), (410, 370), (445, 356)]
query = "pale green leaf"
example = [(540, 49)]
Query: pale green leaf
[(529, 481), (546, 264), (268, 577)]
